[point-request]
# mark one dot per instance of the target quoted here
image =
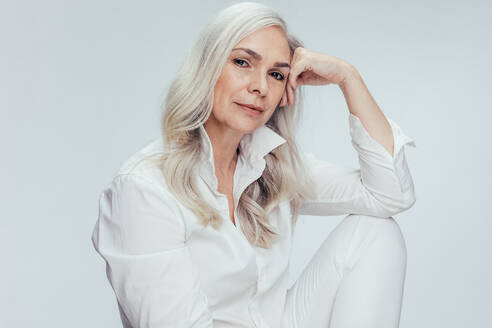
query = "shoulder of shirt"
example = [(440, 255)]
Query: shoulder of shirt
[(143, 169), (144, 164)]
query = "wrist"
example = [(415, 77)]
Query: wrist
[(351, 75)]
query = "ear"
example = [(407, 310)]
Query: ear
[(283, 101)]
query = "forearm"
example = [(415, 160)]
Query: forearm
[(361, 104)]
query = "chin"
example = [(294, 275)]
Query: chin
[(247, 127)]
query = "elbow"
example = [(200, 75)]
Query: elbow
[(385, 206), (402, 204), (408, 199), (412, 201)]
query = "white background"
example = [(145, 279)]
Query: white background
[(81, 84)]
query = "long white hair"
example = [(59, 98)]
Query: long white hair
[(188, 105)]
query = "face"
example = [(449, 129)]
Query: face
[(254, 74)]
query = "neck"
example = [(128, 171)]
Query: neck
[(225, 143)]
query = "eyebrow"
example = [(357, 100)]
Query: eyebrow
[(258, 57)]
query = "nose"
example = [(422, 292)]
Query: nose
[(259, 83)]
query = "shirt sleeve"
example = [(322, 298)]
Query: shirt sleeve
[(148, 264), (382, 186)]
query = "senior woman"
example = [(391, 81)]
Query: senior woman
[(196, 227)]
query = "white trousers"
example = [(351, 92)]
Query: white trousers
[(354, 280)]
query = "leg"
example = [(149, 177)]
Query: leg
[(354, 280)]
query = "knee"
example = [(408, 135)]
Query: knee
[(384, 234)]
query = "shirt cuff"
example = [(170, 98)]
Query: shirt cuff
[(362, 138), (372, 155)]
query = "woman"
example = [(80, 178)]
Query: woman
[(196, 228)]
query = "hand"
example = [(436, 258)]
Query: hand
[(313, 68)]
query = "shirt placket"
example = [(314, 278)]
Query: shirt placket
[(246, 172), (254, 309), (245, 176)]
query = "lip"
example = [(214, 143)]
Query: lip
[(251, 108)]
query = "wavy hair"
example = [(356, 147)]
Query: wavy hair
[(188, 105)]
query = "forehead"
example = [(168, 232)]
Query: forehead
[(270, 42)]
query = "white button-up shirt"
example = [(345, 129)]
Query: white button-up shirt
[(167, 270)]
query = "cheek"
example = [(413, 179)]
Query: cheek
[(277, 93), (223, 94), (224, 87)]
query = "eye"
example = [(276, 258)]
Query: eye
[(239, 61), (280, 76)]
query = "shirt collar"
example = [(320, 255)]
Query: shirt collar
[(252, 147)]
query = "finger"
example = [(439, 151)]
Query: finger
[(293, 83), (283, 101), (293, 76), (297, 69), (293, 96), (290, 81), (285, 96), (289, 96)]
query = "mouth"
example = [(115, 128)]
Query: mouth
[(250, 108)]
